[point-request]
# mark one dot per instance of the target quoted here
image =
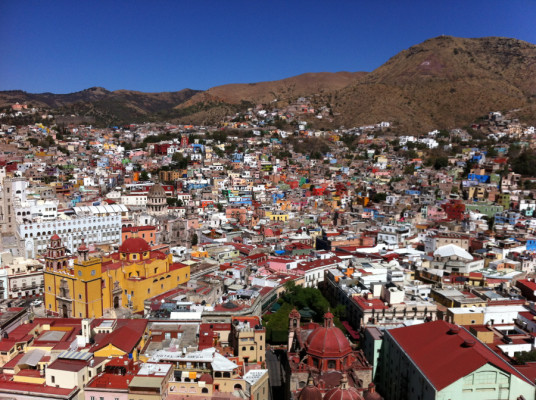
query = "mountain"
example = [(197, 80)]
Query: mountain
[(105, 106), (444, 82), (215, 103), (187, 105), (284, 89)]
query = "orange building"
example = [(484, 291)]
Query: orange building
[(148, 233)]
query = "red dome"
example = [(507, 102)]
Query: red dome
[(339, 393), (343, 392), (55, 237), (310, 392), (328, 341), (134, 245)]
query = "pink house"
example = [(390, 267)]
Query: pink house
[(435, 214), (281, 264)]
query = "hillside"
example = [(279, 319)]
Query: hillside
[(443, 82), (284, 89), (106, 106), (213, 104)]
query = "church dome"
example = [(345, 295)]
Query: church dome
[(328, 340), (310, 392), (343, 392), (156, 191), (134, 245)]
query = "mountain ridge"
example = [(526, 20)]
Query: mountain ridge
[(442, 82)]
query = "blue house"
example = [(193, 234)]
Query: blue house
[(479, 178)]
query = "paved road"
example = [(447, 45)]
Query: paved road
[(274, 368)]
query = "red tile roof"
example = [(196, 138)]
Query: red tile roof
[(22, 387), (441, 354), (124, 337), (68, 365)]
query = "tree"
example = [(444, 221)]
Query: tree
[(524, 164), (195, 239), (523, 357), (180, 160), (144, 176), (379, 197), (409, 169), (441, 162), (492, 152)]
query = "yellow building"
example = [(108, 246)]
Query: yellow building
[(248, 338), (93, 285), (277, 216)]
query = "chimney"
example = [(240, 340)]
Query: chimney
[(454, 330)]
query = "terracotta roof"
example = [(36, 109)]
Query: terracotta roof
[(134, 245), (68, 365), (328, 341), (445, 355), (124, 337)]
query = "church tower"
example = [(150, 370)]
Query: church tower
[(56, 258), (293, 329)]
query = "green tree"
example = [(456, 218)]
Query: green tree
[(195, 239), (525, 164), (144, 176), (379, 197), (409, 169), (441, 162), (180, 160)]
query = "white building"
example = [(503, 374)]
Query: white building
[(134, 199), (36, 234), (21, 277)]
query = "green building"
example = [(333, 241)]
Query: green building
[(442, 361), (488, 209)]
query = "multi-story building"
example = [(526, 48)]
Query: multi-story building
[(24, 277), (35, 235), (209, 374), (385, 304), (440, 361), (248, 338), (435, 239), (95, 285)]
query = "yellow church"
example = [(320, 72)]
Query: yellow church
[(93, 285)]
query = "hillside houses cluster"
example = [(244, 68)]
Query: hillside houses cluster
[(138, 261)]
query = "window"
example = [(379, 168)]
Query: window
[(53, 379)]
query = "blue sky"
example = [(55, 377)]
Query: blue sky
[(159, 45)]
